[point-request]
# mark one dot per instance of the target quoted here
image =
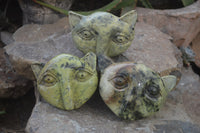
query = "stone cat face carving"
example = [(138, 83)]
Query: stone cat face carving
[(66, 81), (133, 91), (102, 32)]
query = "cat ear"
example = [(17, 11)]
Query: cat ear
[(103, 62), (130, 17), (90, 59), (74, 19), (169, 82), (36, 68)]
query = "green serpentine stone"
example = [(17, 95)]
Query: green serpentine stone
[(133, 91), (66, 81), (102, 32)]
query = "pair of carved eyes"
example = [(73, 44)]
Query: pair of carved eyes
[(88, 35), (122, 82), (50, 80)]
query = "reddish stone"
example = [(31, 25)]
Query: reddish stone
[(182, 24)]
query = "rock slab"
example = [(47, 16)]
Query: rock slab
[(36, 43), (180, 114), (153, 48), (39, 43)]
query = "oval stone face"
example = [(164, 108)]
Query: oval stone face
[(67, 82), (132, 91)]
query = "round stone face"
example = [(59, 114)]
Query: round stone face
[(132, 91), (67, 81)]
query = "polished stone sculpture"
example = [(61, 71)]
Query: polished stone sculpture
[(67, 81), (102, 32), (134, 91)]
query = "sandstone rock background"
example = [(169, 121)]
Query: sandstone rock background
[(33, 44), (182, 24), (159, 54)]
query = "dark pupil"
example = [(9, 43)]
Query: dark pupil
[(86, 34), (120, 82), (119, 38), (153, 90), (82, 75)]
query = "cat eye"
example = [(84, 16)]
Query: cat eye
[(118, 38), (153, 91), (82, 75), (86, 34), (120, 82), (48, 80)]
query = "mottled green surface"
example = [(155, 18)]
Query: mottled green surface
[(133, 91), (66, 81), (102, 32)]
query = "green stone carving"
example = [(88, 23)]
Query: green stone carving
[(67, 81), (102, 32), (133, 91)]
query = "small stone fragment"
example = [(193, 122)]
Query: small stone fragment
[(6, 37), (196, 49)]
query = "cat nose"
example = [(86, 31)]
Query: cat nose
[(67, 96), (102, 46), (131, 94)]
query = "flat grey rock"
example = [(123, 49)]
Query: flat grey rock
[(152, 48)]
